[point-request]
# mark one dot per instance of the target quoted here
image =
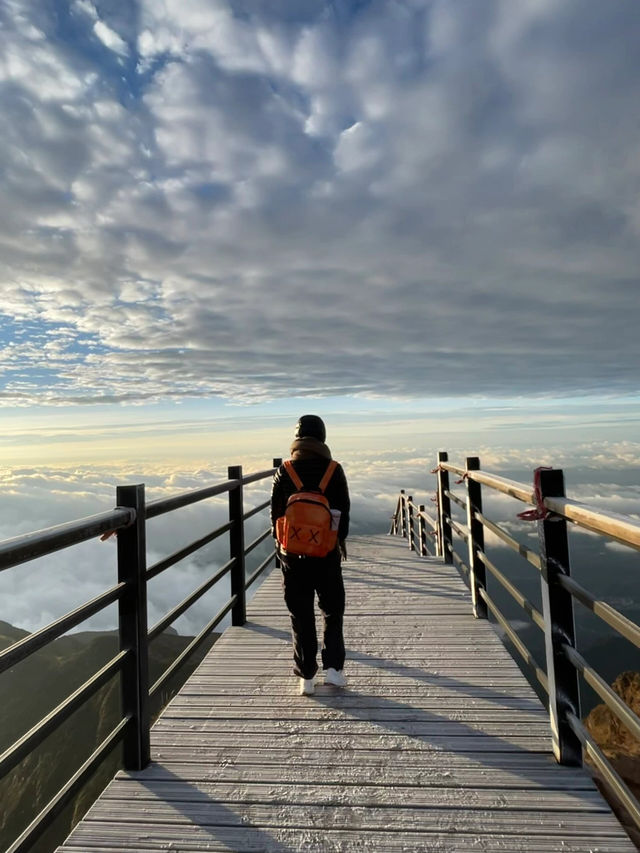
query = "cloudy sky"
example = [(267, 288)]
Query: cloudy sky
[(381, 204)]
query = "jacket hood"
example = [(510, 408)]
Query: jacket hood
[(308, 447)]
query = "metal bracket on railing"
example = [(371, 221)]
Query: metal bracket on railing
[(130, 523)]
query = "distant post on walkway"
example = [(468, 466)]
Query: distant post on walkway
[(478, 572), (132, 629), (236, 546), (410, 525), (444, 509), (559, 625), (422, 536), (403, 513)]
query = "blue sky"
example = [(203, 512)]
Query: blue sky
[(389, 212)]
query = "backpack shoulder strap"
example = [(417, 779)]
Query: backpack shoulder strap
[(328, 474), (291, 471)]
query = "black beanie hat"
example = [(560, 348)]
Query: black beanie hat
[(311, 426)]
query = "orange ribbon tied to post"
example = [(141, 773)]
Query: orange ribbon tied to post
[(540, 512)]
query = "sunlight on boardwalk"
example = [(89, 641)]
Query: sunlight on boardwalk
[(437, 744)]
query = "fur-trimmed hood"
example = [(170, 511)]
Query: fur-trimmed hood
[(309, 447)]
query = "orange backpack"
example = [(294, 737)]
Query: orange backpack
[(305, 527)]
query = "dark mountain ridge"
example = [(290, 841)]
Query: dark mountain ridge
[(33, 688)]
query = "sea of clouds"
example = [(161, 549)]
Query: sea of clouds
[(35, 593)]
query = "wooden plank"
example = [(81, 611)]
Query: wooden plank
[(442, 772), (437, 744), (451, 700), (144, 838), (247, 711), (357, 795), (204, 812), (419, 729)]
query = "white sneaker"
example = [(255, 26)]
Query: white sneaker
[(307, 686), (335, 677)]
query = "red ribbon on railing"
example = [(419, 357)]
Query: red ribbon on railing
[(464, 477), (540, 512), (437, 469)]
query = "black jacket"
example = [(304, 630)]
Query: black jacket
[(310, 470)]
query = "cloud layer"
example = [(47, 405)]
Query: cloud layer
[(36, 593), (259, 200)]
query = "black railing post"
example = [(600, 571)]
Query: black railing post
[(132, 623), (421, 532), (412, 546), (559, 626), (444, 510), (236, 547), (277, 462), (403, 513), (478, 573)]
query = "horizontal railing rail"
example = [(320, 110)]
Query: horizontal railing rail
[(130, 664), (186, 603), (250, 513), (35, 736), (24, 843), (554, 513), (22, 549), (177, 556), (160, 507), (32, 643), (192, 647)]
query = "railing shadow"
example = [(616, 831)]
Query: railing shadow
[(408, 587), (382, 580), (216, 820), (416, 673), (496, 752)]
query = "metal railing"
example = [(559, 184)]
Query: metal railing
[(560, 679), (416, 525), (131, 663)]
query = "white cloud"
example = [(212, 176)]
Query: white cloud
[(357, 148), (404, 198), (86, 7)]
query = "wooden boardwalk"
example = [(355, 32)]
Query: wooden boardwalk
[(437, 744)]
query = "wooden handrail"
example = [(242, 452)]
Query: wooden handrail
[(559, 590), (619, 527)]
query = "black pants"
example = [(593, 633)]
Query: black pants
[(302, 579)]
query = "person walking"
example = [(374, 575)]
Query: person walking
[(305, 576)]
